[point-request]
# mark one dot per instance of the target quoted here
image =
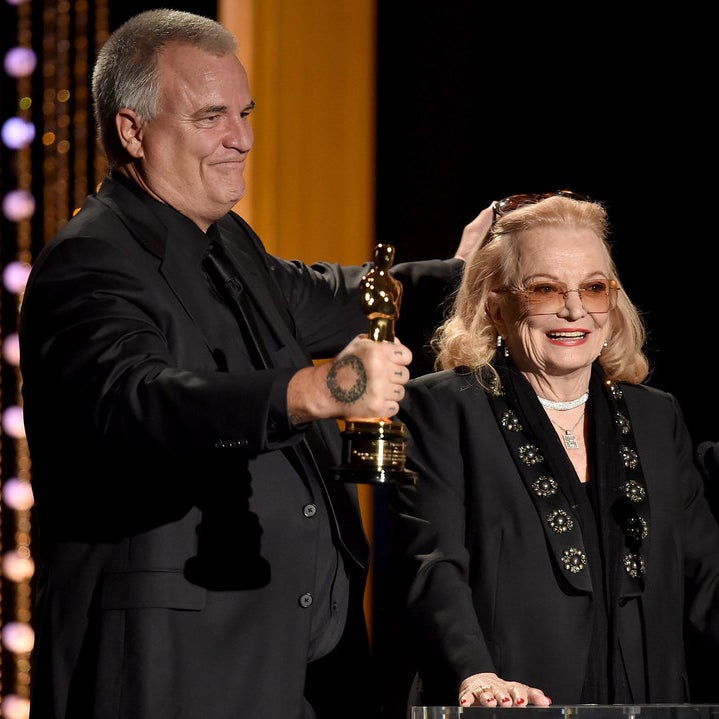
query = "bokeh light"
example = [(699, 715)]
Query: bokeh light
[(18, 205), (11, 349), (13, 421), (17, 494), (16, 567), (17, 133), (20, 62), (18, 637), (14, 276), (15, 707)]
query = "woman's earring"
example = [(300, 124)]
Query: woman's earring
[(500, 342)]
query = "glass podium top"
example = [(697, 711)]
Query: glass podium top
[(578, 711)]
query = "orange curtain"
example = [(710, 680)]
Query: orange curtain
[(311, 173)]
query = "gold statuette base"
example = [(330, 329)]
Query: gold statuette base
[(373, 452)]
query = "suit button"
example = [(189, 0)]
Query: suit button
[(309, 510), (306, 600)]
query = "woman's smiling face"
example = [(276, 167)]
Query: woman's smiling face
[(570, 338)]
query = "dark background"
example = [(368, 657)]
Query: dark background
[(477, 101)]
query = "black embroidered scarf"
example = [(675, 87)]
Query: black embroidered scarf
[(597, 531)]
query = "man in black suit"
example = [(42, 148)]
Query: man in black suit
[(197, 559)]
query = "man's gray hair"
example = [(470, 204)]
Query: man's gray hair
[(126, 70)]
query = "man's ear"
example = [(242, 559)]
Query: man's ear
[(129, 130)]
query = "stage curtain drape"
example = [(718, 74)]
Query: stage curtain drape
[(311, 173)]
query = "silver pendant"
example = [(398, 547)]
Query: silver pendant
[(570, 441)]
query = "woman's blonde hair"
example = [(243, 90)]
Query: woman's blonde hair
[(468, 336)]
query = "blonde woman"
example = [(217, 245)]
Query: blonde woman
[(557, 538)]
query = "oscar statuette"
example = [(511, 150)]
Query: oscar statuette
[(373, 449)]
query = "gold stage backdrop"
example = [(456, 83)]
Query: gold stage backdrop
[(310, 195), (311, 173)]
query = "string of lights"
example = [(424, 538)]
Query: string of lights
[(49, 163), (18, 207)]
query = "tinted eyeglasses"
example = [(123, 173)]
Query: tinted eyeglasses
[(547, 298), (514, 202)]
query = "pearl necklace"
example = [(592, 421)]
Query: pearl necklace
[(561, 406)]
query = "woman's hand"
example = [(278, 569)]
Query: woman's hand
[(488, 690)]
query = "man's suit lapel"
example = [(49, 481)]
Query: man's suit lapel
[(247, 260), (187, 284), (236, 271)]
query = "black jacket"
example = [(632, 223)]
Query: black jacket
[(487, 588), (193, 557)]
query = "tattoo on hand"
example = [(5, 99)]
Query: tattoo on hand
[(347, 379)]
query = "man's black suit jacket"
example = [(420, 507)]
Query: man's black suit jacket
[(188, 539)]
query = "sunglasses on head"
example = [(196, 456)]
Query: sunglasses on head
[(514, 202)]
